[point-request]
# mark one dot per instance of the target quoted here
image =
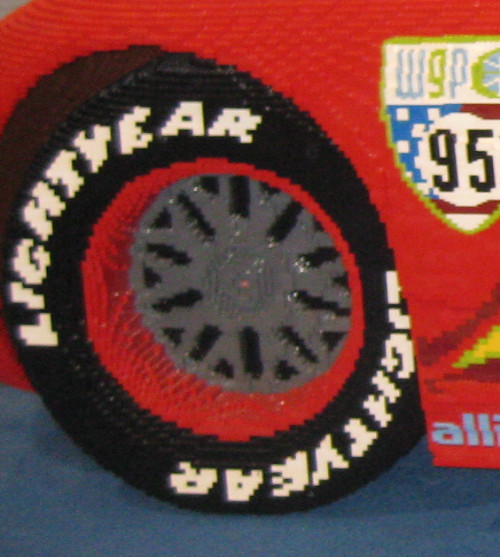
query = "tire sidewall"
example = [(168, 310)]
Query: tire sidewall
[(90, 403)]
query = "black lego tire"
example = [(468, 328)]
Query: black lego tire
[(373, 416)]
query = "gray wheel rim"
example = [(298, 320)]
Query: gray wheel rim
[(240, 283)]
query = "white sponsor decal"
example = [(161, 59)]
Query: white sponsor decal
[(312, 467), (61, 182)]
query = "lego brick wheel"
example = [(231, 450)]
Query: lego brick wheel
[(196, 282)]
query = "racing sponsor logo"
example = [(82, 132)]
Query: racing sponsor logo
[(474, 430), (441, 105), (62, 180)]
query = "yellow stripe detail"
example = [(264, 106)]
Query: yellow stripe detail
[(486, 348)]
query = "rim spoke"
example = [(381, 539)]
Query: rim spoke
[(205, 341), (285, 222), (250, 352), (239, 196), (195, 217), (186, 299)]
